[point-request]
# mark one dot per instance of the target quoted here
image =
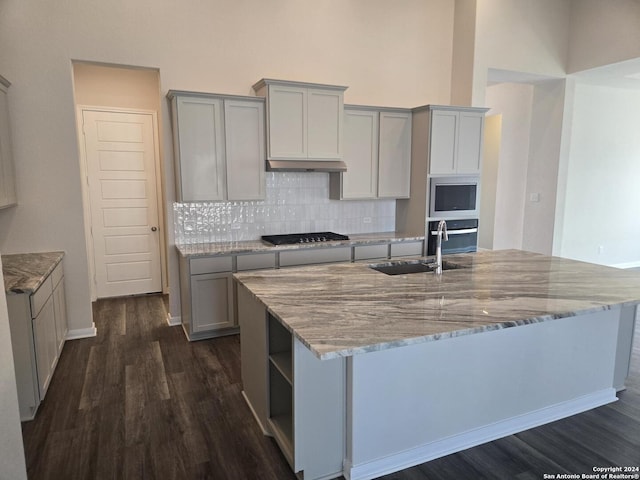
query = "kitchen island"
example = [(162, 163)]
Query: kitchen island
[(358, 373)]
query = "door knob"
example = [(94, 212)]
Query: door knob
[(153, 229)]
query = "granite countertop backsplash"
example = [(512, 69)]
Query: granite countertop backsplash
[(344, 309), (253, 246), (25, 272)]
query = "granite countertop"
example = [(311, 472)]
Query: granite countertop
[(258, 246), (25, 272), (347, 308)]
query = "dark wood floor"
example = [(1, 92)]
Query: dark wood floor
[(140, 402)]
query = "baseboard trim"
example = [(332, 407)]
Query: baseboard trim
[(626, 265), (173, 321), (82, 333), (472, 438)]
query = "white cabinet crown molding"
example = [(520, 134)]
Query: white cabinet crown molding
[(452, 108), (292, 83), (223, 96)]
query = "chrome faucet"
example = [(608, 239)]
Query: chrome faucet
[(441, 235)]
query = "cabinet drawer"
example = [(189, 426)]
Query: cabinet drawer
[(210, 265), (321, 255), (256, 262), (406, 249), (368, 252), (57, 275), (40, 296)]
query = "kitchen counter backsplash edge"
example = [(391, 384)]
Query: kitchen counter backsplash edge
[(254, 246)]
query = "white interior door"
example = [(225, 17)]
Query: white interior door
[(120, 155)]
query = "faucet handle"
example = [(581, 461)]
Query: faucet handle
[(442, 228)]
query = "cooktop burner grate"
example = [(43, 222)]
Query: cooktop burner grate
[(293, 238)]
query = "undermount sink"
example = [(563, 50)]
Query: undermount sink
[(413, 266)]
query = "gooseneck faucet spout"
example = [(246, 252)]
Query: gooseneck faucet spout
[(441, 235)]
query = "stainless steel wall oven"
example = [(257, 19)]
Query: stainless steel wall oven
[(463, 237)]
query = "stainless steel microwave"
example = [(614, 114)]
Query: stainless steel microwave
[(454, 197)]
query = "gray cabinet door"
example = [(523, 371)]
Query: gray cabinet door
[(287, 122), (394, 175), (442, 135), (245, 149), (7, 175), (60, 312), (360, 154), (470, 136), (212, 302), (199, 148), (44, 337), (324, 123)]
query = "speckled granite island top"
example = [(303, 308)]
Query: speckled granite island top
[(256, 246), (25, 272), (347, 308)]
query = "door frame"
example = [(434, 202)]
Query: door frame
[(86, 198)]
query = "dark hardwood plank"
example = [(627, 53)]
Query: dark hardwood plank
[(140, 402)]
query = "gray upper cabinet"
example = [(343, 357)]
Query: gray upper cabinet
[(377, 151), (218, 146), (7, 174), (304, 120), (456, 135)]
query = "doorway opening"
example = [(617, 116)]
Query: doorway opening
[(117, 112)]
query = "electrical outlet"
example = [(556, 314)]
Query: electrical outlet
[(236, 226), (600, 249), (366, 220)]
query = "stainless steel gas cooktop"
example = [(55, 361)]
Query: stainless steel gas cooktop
[(293, 238)]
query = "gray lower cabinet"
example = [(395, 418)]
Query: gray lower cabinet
[(207, 292), (38, 331), (292, 394)]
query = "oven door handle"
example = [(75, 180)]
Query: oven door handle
[(462, 231)]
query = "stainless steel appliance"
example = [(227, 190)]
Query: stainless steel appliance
[(463, 237), (454, 197), (292, 238)]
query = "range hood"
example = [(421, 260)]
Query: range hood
[(306, 166)]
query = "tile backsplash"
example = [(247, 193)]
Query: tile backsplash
[(294, 203)]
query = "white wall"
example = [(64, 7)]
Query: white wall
[(12, 462), (514, 102), (601, 204), (464, 44), (396, 54), (603, 33), (490, 165), (118, 87), (520, 36), (547, 118)]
